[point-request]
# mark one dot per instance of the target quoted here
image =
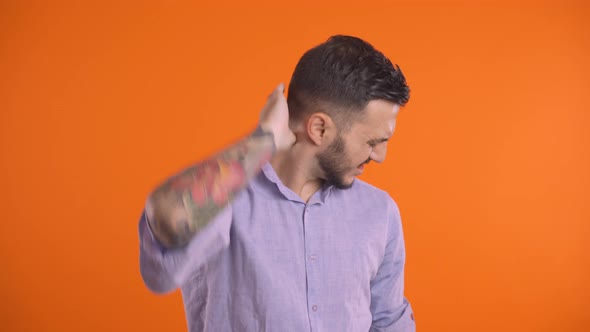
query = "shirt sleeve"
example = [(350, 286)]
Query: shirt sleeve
[(390, 309), (163, 270)]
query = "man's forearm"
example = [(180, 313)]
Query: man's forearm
[(187, 202)]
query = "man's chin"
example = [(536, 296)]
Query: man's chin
[(344, 183)]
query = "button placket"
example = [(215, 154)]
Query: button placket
[(311, 263)]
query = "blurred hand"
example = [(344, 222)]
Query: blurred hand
[(274, 118)]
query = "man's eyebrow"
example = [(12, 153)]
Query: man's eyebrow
[(379, 140)]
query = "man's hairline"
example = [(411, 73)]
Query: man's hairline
[(346, 128)]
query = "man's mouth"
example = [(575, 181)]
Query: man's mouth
[(361, 166)]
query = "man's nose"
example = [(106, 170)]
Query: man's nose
[(379, 152)]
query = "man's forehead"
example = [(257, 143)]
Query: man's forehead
[(374, 129), (379, 111)]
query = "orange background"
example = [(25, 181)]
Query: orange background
[(490, 163)]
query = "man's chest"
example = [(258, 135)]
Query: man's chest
[(334, 246)]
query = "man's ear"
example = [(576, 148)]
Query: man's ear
[(320, 128)]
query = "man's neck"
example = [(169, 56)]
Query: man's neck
[(295, 170)]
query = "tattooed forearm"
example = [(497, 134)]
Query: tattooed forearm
[(186, 202)]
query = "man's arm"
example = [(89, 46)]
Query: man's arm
[(187, 202), (390, 309)]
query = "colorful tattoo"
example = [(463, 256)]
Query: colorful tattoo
[(188, 201)]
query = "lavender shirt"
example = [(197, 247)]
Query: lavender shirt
[(271, 262)]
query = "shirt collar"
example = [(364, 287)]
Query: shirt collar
[(318, 197)]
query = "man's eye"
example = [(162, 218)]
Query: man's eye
[(372, 144)]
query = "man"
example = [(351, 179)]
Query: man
[(275, 233)]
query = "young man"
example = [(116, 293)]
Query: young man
[(275, 233)]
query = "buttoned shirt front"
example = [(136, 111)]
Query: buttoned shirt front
[(272, 262)]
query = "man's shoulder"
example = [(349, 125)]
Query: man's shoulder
[(365, 192), (361, 185)]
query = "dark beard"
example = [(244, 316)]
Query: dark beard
[(333, 163)]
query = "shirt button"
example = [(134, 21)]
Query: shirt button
[(312, 257), (314, 308)]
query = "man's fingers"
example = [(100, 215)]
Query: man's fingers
[(279, 89)]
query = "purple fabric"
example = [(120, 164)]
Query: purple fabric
[(271, 262)]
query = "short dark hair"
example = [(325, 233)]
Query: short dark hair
[(340, 77)]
